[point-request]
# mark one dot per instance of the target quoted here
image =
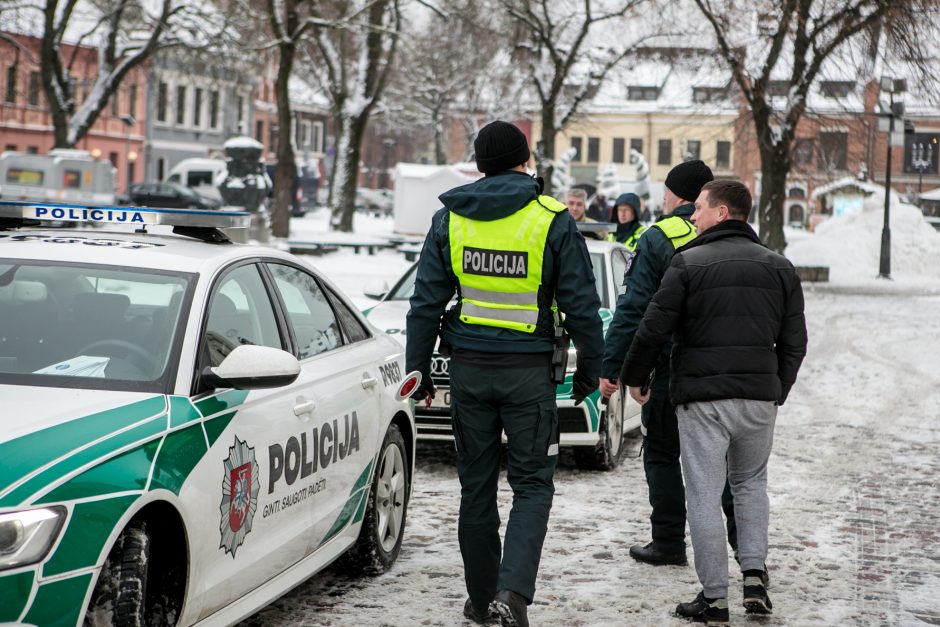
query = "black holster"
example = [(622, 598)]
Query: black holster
[(560, 356)]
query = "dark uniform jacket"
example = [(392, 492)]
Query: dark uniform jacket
[(734, 310), (567, 275), (653, 253)]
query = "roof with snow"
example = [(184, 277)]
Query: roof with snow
[(933, 194), (848, 183)]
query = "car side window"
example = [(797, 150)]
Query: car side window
[(618, 262), (354, 329), (315, 326), (240, 312)]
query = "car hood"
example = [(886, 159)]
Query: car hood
[(389, 317), (28, 409)]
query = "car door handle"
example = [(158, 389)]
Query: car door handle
[(307, 407), (368, 382)]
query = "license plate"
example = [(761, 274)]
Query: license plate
[(441, 399)]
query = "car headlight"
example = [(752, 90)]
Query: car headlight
[(27, 536), (572, 360)]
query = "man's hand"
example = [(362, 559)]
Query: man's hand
[(608, 387), (638, 396), (424, 392), (581, 386)]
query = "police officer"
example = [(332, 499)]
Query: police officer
[(653, 253), (516, 261), (627, 216)]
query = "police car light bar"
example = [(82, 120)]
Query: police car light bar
[(133, 216)]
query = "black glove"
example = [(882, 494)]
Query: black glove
[(582, 386), (425, 391)]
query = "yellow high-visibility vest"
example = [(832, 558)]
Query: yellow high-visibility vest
[(677, 229)]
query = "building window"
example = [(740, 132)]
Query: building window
[(796, 192), (594, 149), (11, 84), (576, 144), (303, 134), (113, 158), (259, 131), (32, 94), (197, 107), (833, 149), (803, 151), (708, 94), (214, 109), (240, 114), (641, 92), (637, 145), (132, 100), (317, 139), (10, 148), (272, 137), (618, 150), (778, 88), (920, 153), (161, 168), (162, 91), (32, 150), (723, 154), (693, 149), (665, 152), (181, 104), (836, 89), (115, 101)]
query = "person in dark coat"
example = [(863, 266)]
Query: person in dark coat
[(733, 310), (500, 337), (626, 214)]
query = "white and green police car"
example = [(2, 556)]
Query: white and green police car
[(594, 430), (188, 428)]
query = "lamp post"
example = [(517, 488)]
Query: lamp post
[(921, 159), (129, 121), (892, 86)]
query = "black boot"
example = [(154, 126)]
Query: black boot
[(704, 610), (652, 555), (478, 616), (512, 609), (756, 600)]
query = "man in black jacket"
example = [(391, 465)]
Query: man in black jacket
[(512, 255), (734, 311)]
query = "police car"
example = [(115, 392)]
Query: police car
[(593, 429), (190, 427)]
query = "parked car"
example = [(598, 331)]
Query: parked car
[(190, 428), (594, 430), (171, 195), (63, 175), (200, 174), (377, 202)]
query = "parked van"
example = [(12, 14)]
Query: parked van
[(201, 174), (63, 175)]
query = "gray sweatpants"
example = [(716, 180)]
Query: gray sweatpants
[(740, 431)]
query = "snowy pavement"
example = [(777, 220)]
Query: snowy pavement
[(854, 488)]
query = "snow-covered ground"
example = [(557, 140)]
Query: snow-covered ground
[(854, 477)]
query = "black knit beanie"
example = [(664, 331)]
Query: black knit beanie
[(500, 146), (687, 179)]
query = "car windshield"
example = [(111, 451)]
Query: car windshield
[(406, 285), (90, 326)]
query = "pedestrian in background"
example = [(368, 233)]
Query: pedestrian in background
[(733, 310), (626, 214), (512, 255), (661, 463), (598, 210), (576, 201)]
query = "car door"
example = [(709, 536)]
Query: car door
[(169, 196), (246, 522), (339, 368)]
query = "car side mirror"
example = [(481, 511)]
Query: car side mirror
[(375, 289), (250, 367)]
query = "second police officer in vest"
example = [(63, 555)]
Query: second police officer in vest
[(512, 255), (654, 251)]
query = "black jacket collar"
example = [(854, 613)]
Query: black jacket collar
[(728, 228)]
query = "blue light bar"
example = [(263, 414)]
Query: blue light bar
[(134, 216)]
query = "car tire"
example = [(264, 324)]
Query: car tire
[(607, 453), (121, 590), (383, 526)]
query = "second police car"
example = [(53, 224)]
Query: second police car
[(594, 430), (190, 428)]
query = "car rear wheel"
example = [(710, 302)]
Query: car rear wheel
[(120, 595), (380, 538), (607, 453)]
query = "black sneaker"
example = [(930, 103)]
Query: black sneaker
[(764, 574), (476, 615), (512, 609), (756, 600), (704, 610), (649, 554)]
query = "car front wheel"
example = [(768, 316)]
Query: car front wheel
[(121, 590), (606, 454), (380, 538)]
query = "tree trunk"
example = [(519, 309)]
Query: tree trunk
[(348, 153), (440, 157), (285, 170), (545, 153), (775, 164)]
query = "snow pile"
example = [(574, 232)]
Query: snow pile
[(851, 245)]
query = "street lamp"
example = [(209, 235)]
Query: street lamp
[(921, 158), (895, 109)]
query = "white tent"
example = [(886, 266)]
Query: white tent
[(417, 187)]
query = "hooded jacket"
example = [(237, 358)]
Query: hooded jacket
[(566, 273), (734, 312)]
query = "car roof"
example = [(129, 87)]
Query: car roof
[(161, 250)]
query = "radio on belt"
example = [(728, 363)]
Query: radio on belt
[(15, 214)]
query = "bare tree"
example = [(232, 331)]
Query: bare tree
[(126, 33), (564, 66), (795, 38), (353, 50)]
